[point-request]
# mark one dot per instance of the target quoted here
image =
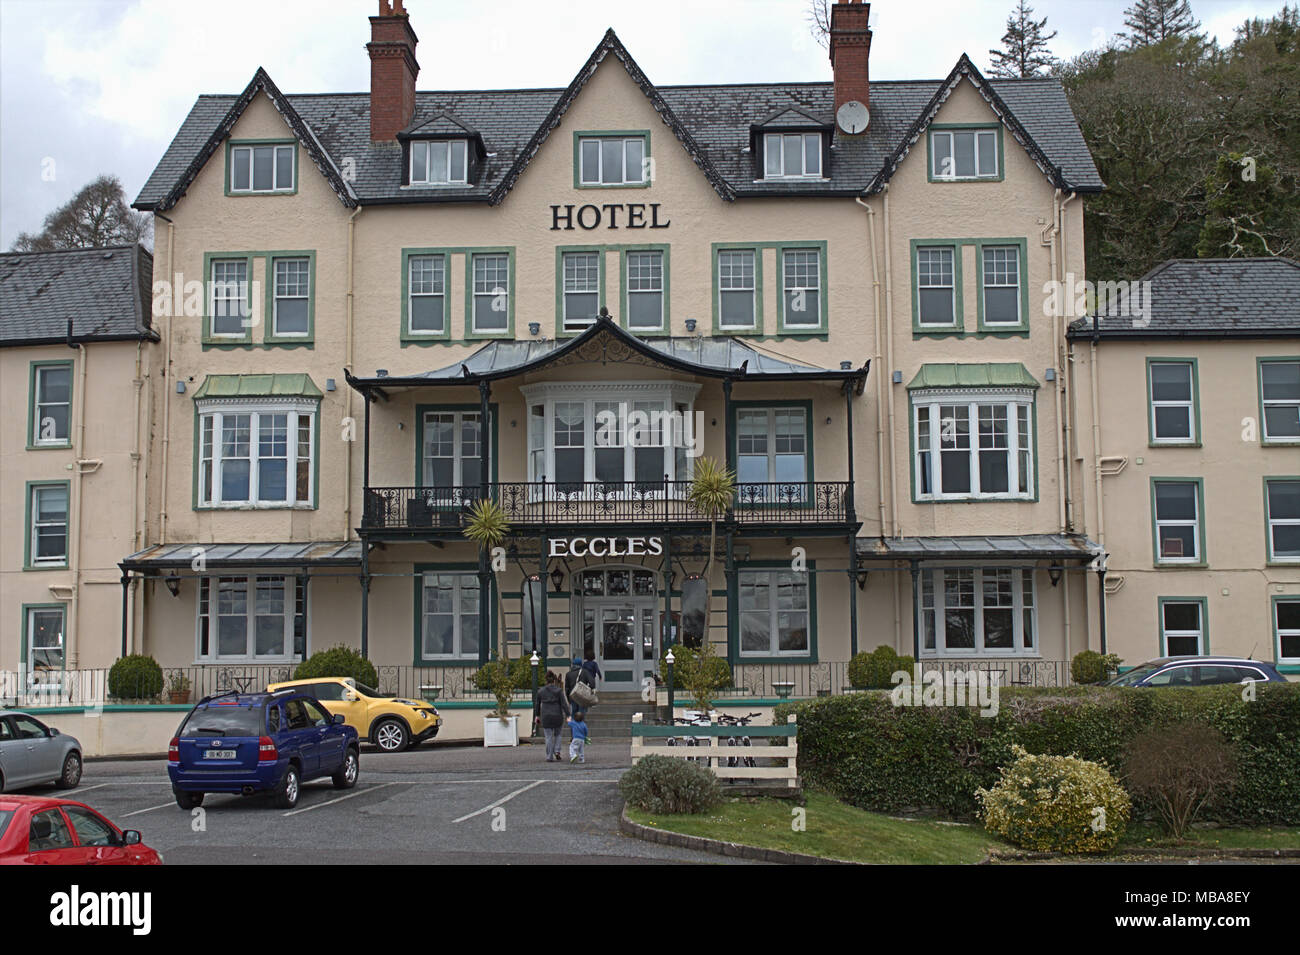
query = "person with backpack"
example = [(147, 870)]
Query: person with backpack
[(584, 698), (552, 711)]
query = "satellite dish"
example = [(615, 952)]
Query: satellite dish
[(853, 117)]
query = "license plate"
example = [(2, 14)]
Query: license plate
[(219, 754)]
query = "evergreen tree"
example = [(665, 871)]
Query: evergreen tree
[(1024, 46), (1154, 21)]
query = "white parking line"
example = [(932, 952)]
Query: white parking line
[(370, 789), (150, 809), (499, 802), (86, 789)]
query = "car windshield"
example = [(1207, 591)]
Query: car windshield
[(1133, 676), (217, 719), (366, 690), (5, 816)]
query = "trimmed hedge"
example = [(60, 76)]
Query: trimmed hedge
[(338, 661), (135, 677), (875, 669), (871, 754)]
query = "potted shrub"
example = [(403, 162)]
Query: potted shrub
[(135, 677), (178, 687), (500, 728)]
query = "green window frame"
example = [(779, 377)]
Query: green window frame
[(1162, 549), (1287, 662), (32, 518), (783, 328), (1190, 405), (25, 662), (1282, 401), (738, 275), (35, 424), (486, 287), (235, 165), (983, 273), (582, 158), (261, 313), (949, 133), (438, 277), (1202, 633), (772, 435), (567, 267), (486, 645), (636, 263), (795, 278), (421, 411), (773, 571), (936, 276), (1271, 522)]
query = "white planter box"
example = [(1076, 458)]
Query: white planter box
[(499, 732)]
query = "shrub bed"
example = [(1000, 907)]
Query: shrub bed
[(663, 784), (876, 756)]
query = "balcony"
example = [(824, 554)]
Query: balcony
[(529, 504)]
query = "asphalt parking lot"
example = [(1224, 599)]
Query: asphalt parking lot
[(430, 805)]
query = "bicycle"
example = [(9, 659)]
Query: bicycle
[(746, 760)]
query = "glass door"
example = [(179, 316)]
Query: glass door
[(625, 644)]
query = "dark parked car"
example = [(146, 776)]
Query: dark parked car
[(1198, 671), (33, 754), (250, 743)]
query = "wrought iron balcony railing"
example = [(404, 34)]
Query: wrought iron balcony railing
[(536, 503)]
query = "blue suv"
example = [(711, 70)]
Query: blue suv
[(260, 743)]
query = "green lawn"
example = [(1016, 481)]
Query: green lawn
[(839, 831), (834, 831)]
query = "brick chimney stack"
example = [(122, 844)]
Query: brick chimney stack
[(850, 50), (393, 70)]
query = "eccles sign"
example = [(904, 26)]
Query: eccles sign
[(606, 547)]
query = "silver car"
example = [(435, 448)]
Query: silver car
[(33, 754)]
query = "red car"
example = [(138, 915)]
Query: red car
[(43, 830)]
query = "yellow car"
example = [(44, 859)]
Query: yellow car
[(391, 723)]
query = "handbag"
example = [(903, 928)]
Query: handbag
[(584, 694)]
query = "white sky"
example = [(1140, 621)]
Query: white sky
[(101, 86)]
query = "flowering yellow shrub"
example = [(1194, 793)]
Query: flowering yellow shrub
[(1055, 804)]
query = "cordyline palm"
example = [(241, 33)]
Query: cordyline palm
[(712, 490), (488, 526)]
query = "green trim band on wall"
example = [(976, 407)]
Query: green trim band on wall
[(32, 369), (29, 494), (647, 167), (1205, 620), (1203, 558), (1195, 440)]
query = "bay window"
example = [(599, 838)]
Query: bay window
[(973, 447), (258, 617), (775, 613), (977, 610), (258, 455)]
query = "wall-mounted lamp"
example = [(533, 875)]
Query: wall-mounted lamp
[(173, 582), (845, 365), (381, 372), (690, 324), (1050, 374), (180, 387), (828, 419), (557, 580), (1054, 574), (534, 328), (862, 579), (898, 377), (330, 385)]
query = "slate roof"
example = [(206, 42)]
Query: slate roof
[(713, 123), (106, 292), (1209, 298)]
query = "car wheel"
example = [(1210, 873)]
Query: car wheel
[(187, 800), (346, 777), (286, 797), (390, 736), (71, 774)]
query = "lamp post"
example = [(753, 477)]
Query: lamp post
[(670, 659), (534, 661)]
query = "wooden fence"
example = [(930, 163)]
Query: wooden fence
[(773, 761)]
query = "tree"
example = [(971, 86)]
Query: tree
[(96, 216), (488, 527), (1155, 21), (1247, 211), (712, 490), (819, 21), (1024, 46)]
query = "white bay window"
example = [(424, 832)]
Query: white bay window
[(256, 455), (972, 611), (259, 618), (973, 446)]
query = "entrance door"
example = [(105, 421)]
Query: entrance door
[(625, 643)]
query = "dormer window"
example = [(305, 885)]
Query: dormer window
[(439, 162), (612, 160), (792, 156)]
